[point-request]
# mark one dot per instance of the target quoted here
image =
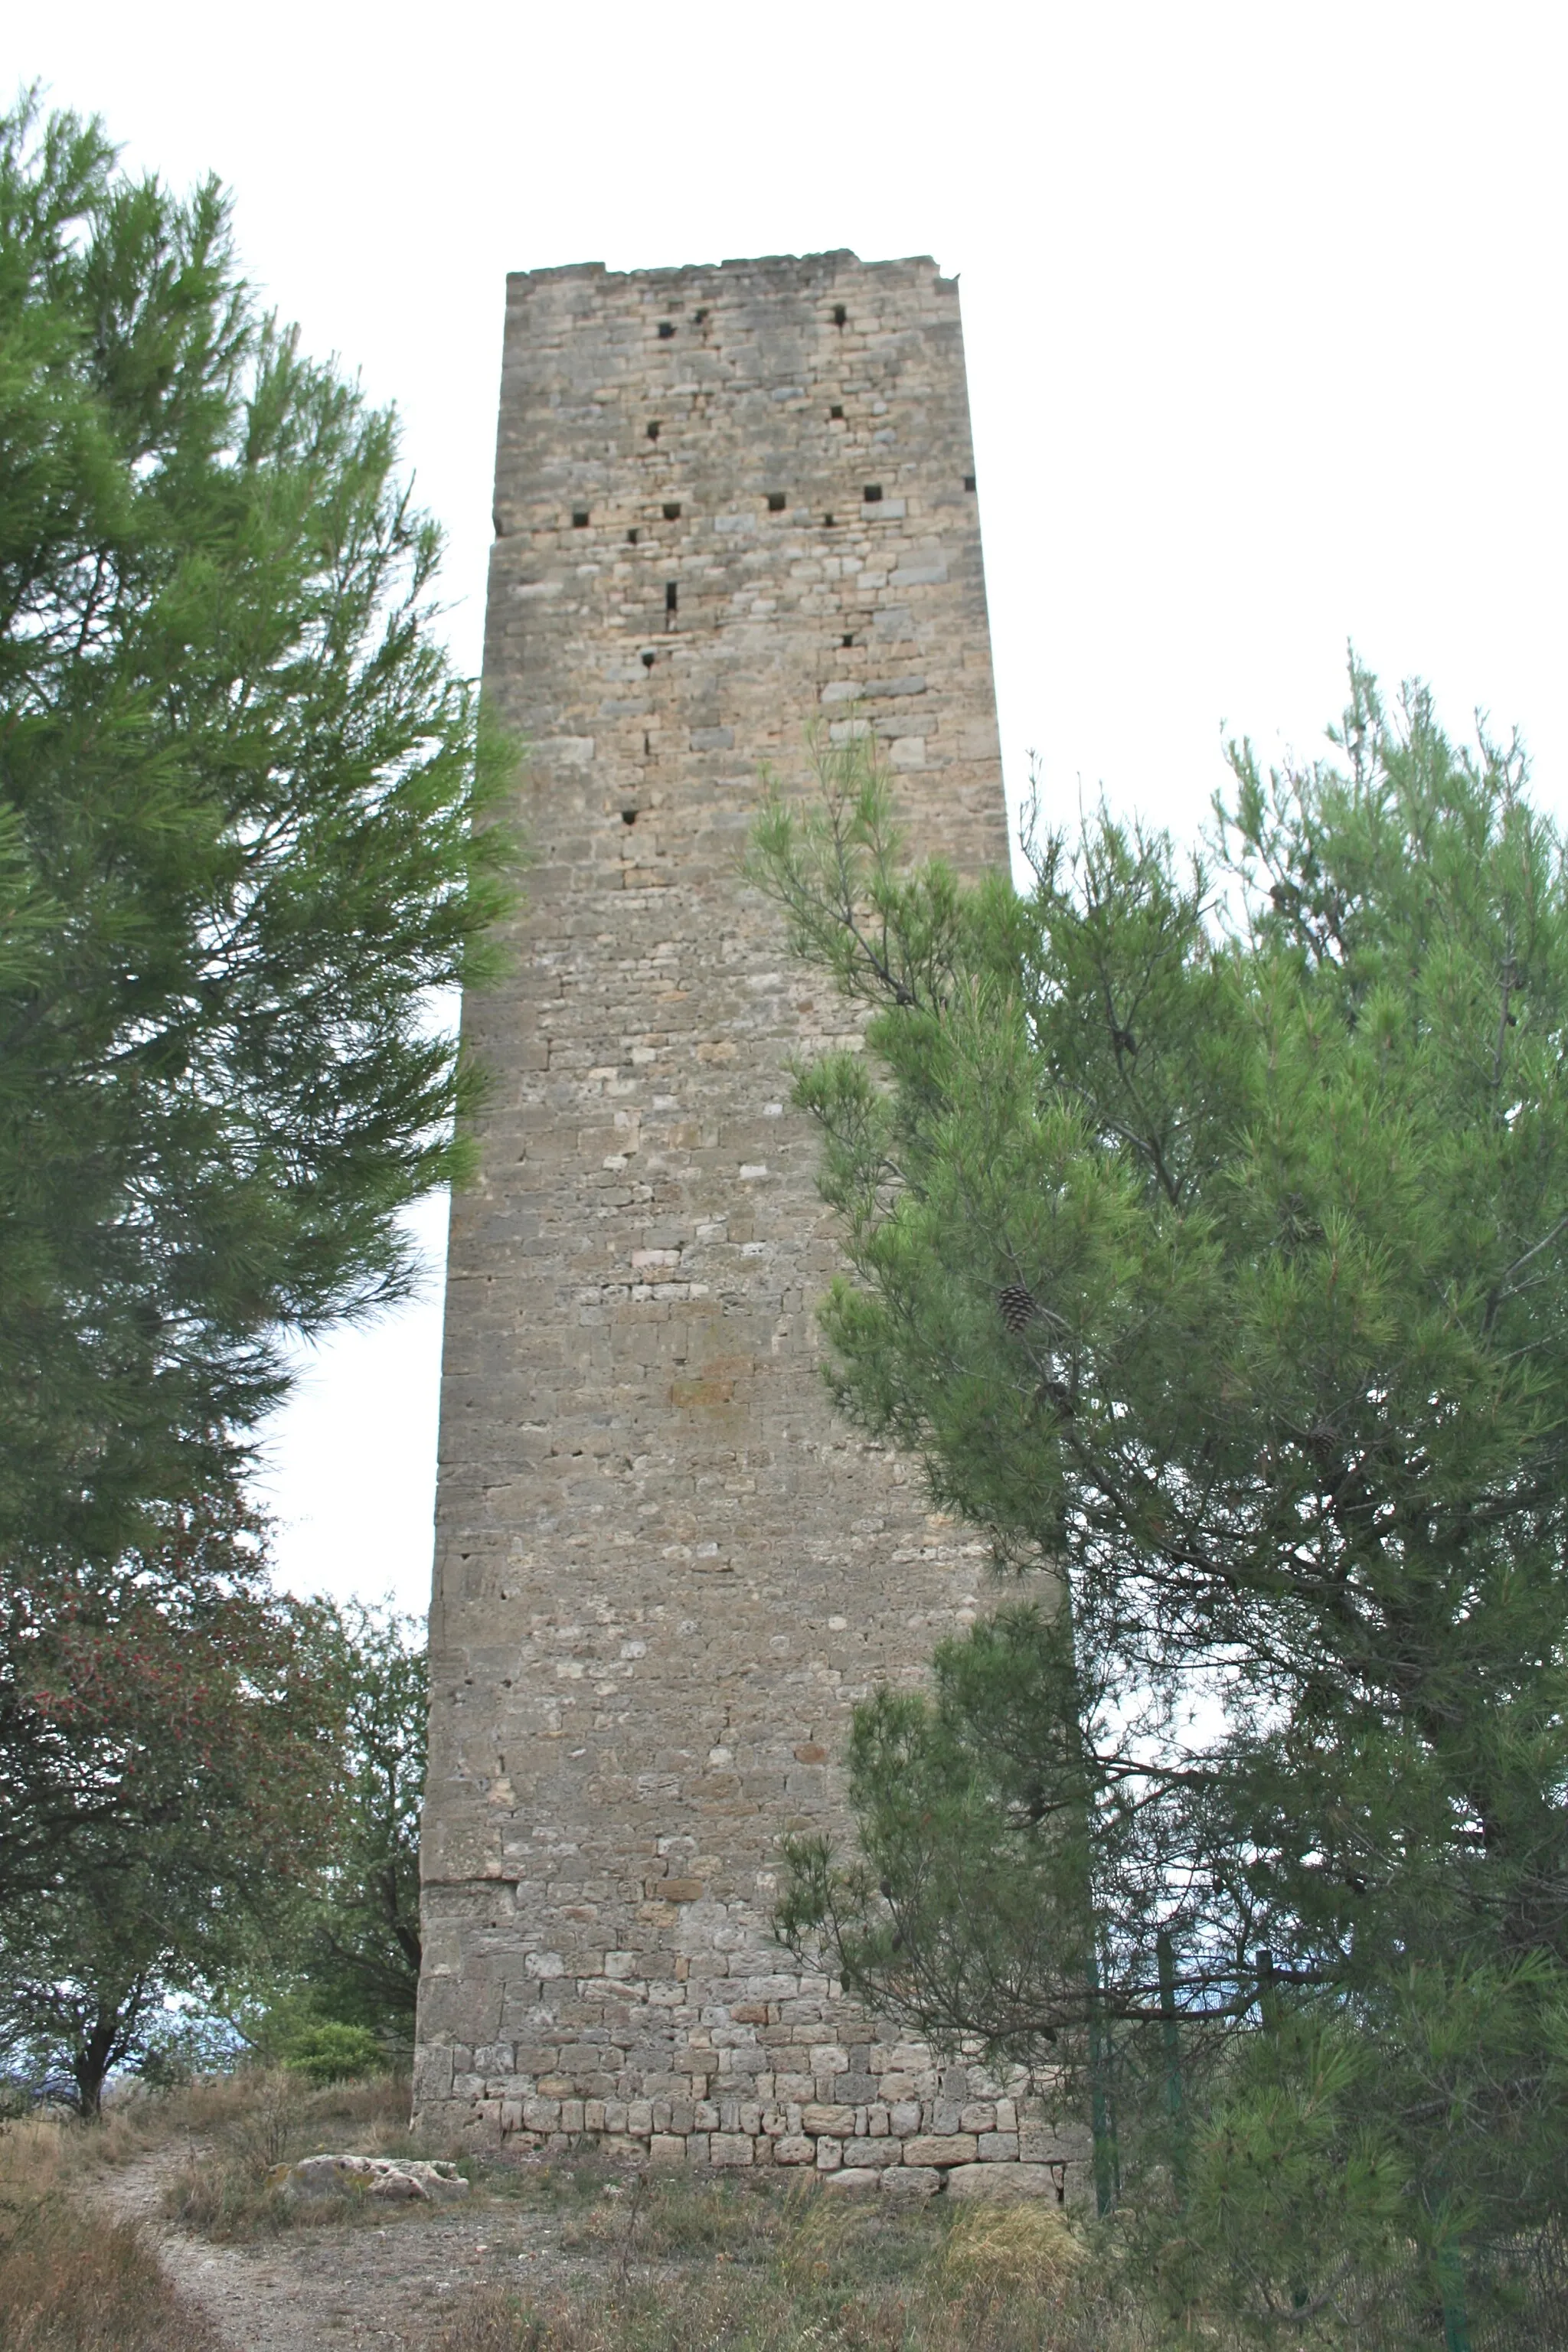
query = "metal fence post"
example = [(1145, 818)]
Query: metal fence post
[(1175, 2105)]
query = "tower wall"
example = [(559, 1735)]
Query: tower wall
[(730, 502)]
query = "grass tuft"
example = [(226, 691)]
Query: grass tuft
[(1026, 2247)]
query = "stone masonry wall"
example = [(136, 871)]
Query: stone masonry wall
[(730, 501)]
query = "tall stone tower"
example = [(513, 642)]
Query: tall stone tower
[(730, 501)]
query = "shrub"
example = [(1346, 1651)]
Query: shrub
[(331, 2052)]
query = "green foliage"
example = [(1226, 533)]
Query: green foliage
[(346, 1949), (970, 1804), (333, 2052), (168, 1771), (239, 848), (1208, 1228), (226, 1811), (242, 841), (362, 1947)]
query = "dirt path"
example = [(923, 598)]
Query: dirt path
[(361, 2283)]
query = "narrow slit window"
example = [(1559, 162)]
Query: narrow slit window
[(969, 481), (672, 510), (648, 660), (579, 518), (871, 493), (631, 538), (840, 315), (671, 596), (629, 816), (849, 637), (775, 502), (828, 521)]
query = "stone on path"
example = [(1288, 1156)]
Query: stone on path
[(394, 2180)]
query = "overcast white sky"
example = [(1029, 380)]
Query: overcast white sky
[(1265, 316)]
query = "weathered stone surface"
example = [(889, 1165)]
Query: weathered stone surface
[(1005, 2184), (826, 2116), (664, 1570), (941, 2147), (912, 2180), (853, 2178), (391, 2181)]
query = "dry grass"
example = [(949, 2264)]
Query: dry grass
[(1029, 2248), (72, 2281), (748, 2268), (258, 2120)]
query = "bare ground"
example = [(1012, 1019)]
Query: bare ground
[(344, 2284)]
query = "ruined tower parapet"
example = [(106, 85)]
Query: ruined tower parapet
[(730, 501)]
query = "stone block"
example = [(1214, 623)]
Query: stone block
[(851, 2177), (1004, 2184), (794, 2147), (821, 2117), (941, 2147), (873, 2152), (914, 2181), (730, 2149)]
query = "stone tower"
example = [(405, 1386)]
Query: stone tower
[(729, 501)]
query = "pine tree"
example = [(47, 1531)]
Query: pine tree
[(240, 787), (1208, 1227)]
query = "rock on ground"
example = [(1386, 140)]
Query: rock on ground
[(397, 2180)]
